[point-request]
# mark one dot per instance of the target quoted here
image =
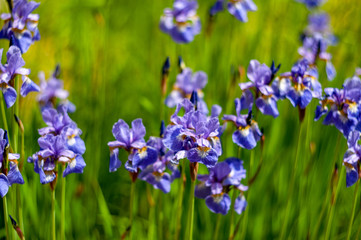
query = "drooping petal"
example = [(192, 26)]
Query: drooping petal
[(205, 155), (9, 96), (219, 203), (114, 162), (76, 165), (14, 175), (267, 106), (202, 191), (28, 86), (240, 204), (244, 138), (4, 185)]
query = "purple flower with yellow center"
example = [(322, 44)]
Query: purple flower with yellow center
[(193, 136), (188, 82), (54, 150), (215, 186), (59, 122), (21, 26), (238, 8), (52, 91), (342, 106), (316, 39), (314, 48), (247, 134), (8, 72), (156, 173), (8, 178), (261, 77), (304, 84), (132, 140), (351, 159), (181, 22)]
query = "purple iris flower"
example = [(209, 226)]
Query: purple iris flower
[(155, 173), (247, 134), (351, 158), (8, 178), (188, 82), (261, 77), (193, 135), (215, 186), (304, 84), (60, 142), (312, 3), (54, 150), (21, 26), (132, 140), (53, 90), (314, 48), (342, 106), (238, 8), (316, 39), (181, 22), (9, 71)]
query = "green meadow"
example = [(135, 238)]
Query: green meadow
[(111, 55)]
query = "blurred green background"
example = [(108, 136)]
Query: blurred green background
[(111, 54)]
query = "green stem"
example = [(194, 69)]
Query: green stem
[(218, 223), (331, 209), (151, 217), (53, 233), (353, 211), (245, 220), (191, 210), (6, 217), (3, 114), (180, 202), (291, 186), (131, 206), (231, 224), (62, 217)]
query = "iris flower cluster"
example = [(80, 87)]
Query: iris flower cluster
[(248, 133), (52, 91), (8, 73), (194, 135), (300, 85), (261, 77), (238, 8), (60, 142), (147, 161), (216, 185), (181, 22), (188, 82), (21, 26), (8, 178), (342, 106), (155, 174), (316, 39)]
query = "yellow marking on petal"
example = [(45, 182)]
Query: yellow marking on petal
[(349, 165)]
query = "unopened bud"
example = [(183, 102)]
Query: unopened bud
[(194, 170), (20, 123)]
